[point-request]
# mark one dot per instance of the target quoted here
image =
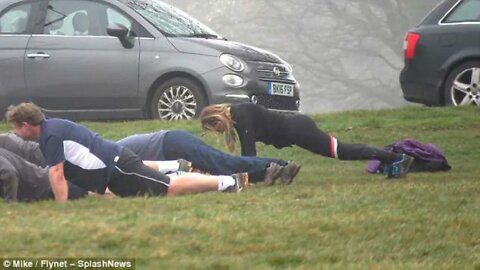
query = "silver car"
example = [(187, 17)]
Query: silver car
[(118, 59)]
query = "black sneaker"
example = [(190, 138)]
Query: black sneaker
[(241, 182), (184, 165), (289, 172), (273, 172), (399, 169)]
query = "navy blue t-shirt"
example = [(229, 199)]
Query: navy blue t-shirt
[(65, 141)]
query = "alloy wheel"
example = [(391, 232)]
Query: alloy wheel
[(466, 88), (177, 103)]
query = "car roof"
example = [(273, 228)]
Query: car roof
[(438, 12)]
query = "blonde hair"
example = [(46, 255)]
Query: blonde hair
[(218, 115), (25, 112)]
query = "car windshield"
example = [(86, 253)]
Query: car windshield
[(169, 20)]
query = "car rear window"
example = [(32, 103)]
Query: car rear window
[(465, 11)]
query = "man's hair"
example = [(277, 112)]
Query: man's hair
[(25, 112)]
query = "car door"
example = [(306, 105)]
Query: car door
[(73, 65), (14, 34)]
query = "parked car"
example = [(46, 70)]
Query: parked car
[(117, 59), (442, 56)]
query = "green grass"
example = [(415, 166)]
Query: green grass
[(333, 216)]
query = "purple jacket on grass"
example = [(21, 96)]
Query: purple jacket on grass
[(428, 157)]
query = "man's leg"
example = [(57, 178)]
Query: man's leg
[(133, 178), (189, 183)]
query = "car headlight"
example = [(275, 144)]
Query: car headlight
[(232, 62), (289, 68), (232, 80)]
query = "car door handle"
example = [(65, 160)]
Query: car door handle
[(37, 55)]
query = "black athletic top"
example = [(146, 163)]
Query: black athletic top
[(255, 123)]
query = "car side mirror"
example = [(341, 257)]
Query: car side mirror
[(122, 33)]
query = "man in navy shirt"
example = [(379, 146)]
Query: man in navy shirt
[(74, 152)]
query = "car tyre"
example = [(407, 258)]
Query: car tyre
[(462, 86), (177, 99)]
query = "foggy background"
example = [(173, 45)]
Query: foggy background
[(346, 54)]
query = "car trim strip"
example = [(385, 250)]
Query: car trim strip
[(237, 96), (89, 110), (10, 35), (42, 35)]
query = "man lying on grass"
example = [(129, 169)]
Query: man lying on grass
[(73, 152), (23, 181)]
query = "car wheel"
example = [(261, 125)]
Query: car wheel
[(177, 99), (463, 85)]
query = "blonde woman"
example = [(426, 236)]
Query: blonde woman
[(253, 123)]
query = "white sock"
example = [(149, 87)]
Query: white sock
[(224, 182), (166, 166), (172, 175)]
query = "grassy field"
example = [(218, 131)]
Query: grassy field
[(334, 216)]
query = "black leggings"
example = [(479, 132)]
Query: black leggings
[(302, 131)]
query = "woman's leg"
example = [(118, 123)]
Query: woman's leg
[(310, 137), (347, 151), (182, 144)]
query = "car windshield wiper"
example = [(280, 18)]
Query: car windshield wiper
[(202, 35)]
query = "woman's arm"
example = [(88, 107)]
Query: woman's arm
[(247, 142), (243, 118)]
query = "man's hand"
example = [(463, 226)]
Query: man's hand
[(58, 182)]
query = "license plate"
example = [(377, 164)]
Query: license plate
[(281, 89)]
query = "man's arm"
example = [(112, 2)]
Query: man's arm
[(58, 182), (9, 177)]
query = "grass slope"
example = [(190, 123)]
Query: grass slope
[(333, 216)]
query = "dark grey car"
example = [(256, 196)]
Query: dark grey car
[(116, 59), (442, 56)]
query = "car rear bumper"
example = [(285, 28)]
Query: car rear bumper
[(415, 89)]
